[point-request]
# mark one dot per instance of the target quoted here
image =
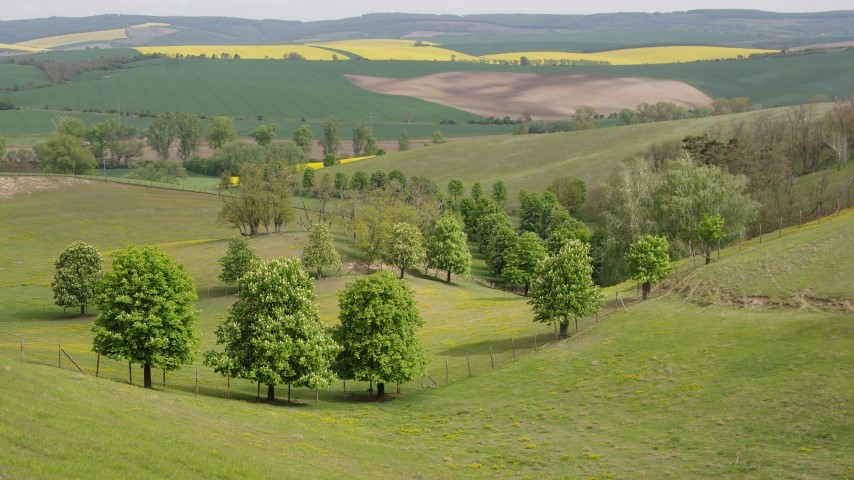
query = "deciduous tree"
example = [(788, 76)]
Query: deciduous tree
[(377, 332), (78, 273), (447, 248), (148, 313), (522, 261), (303, 138), (499, 191), (320, 251), (710, 231), (563, 288), (331, 140), (403, 142), (160, 134), (65, 154), (649, 261), (273, 333), (405, 247), (221, 131), (239, 258), (188, 129), (264, 134)]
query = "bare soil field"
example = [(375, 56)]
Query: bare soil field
[(542, 95), (11, 186)]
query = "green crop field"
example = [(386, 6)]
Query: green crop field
[(12, 75), (287, 92), (671, 389)]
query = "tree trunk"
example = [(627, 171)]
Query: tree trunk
[(82, 309), (708, 254), (527, 285), (646, 289), (380, 389), (147, 375), (319, 273), (564, 326), (401, 273), (449, 275), (271, 393)]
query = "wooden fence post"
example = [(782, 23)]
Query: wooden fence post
[(59, 355), (513, 344), (164, 379), (780, 234), (98, 366), (760, 234), (491, 360), (197, 381), (468, 363), (800, 218), (228, 387), (130, 374)]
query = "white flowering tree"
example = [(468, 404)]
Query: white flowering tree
[(320, 251), (273, 334), (649, 261), (563, 287), (78, 272)]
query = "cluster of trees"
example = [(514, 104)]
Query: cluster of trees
[(58, 72), (272, 334)]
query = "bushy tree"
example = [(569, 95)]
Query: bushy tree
[(359, 180), (499, 191), (188, 129), (447, 248), (320, 251), (502, 241), (379, 179), (649, 261), (71, 126), (360, 138), (221, 131), (403, 142), (78, 273), (263, 198), (331, 140), (308, 178), (522, 261), (476, 191), (239, 258), (571, 192), (377, 332), (563, 288), (160, 134), (148, 312), (439, 137), (455, 188), (710, 231), (65, 154), (341, 183), (405, 247), (264, 134), (303, 138), (273, 333)]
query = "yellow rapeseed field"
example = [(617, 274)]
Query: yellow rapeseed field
[(85, 37), (245, 51), (319, 165), (638, 56), (376, 49), (19, 48)]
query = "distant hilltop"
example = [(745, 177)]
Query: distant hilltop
[(744, 28)]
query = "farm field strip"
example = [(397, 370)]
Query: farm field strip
[(639, 56), (83, 37), (251, 52)]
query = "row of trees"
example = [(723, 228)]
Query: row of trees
[(272, 334)]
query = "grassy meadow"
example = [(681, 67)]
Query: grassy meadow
[(671, 389)]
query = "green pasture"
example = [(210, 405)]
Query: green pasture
[(671, 389)]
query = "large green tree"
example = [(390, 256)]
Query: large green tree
[(303, 138), (447, 248), (160, 134), (148, 312), (405, 247), (331, 139), (522, 261), (239, 258), (499, 191), (319, 252), (188, 129), (571, 192), (273, 333), (710, 231), (65, 154), (649, 261), (563, 287), (264, 134), (377, 333), (221, 131), (78, 274)]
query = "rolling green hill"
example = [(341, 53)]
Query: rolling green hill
[(670, 389)]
